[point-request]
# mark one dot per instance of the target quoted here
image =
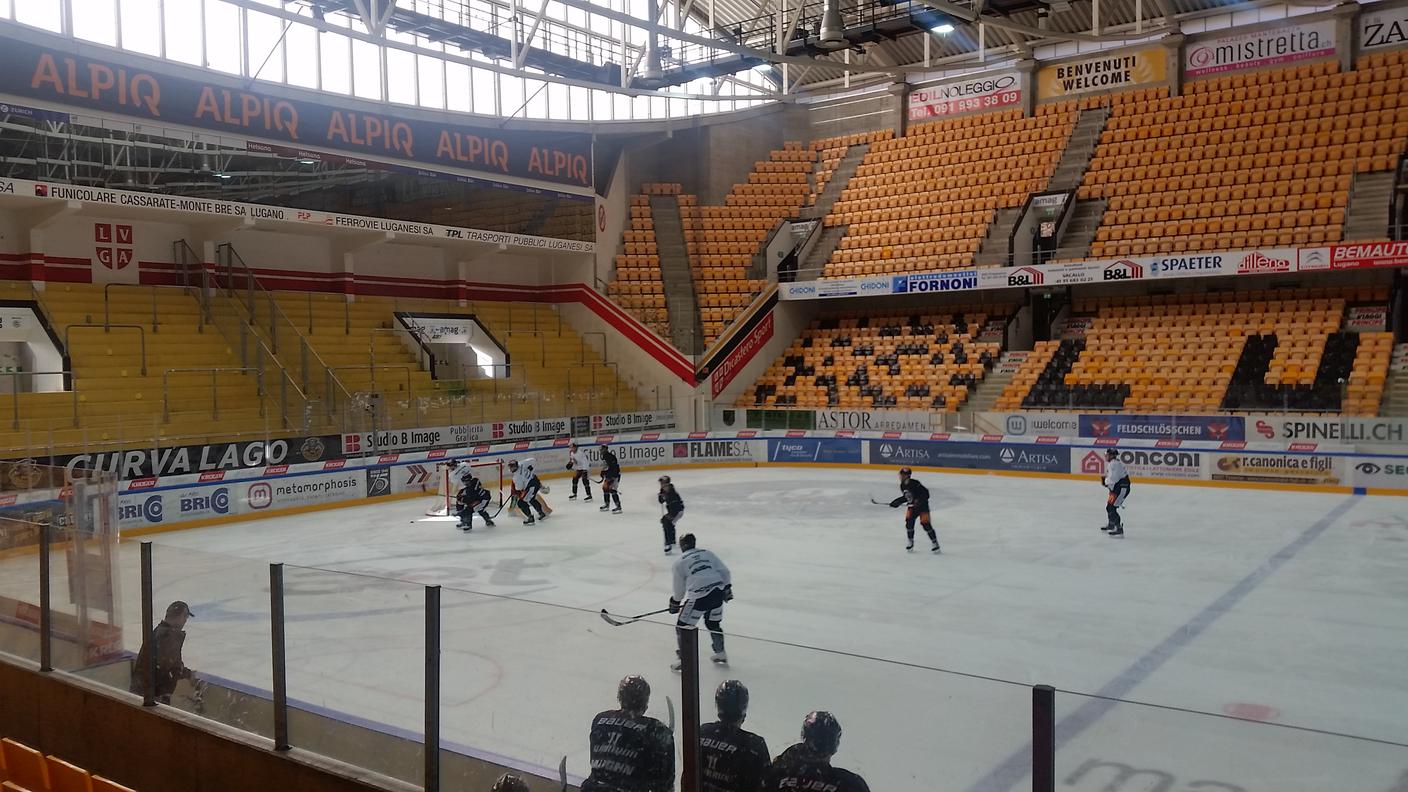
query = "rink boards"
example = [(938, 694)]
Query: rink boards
[(156, 504)]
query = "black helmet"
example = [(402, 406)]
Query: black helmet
[(664, 479), (822, 732), (633, 693), (906, 472), (513, 464), (687, 542), (508, 782), (732, 701), (1111, 453)]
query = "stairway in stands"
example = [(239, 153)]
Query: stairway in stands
[(1070, 171), (681, 302), (1370, 196)]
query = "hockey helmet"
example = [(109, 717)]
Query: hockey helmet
[(508, 782), (732, 701), (1111, 453), (513, 464), (687, 542), (467, 478), (664, 479), (905, 472), (633, 693), (822, 732)]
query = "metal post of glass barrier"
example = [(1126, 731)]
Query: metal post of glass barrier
[(1043, 738), (279, 652), (689, 708), (432, 689), (148, 614), (46, 616)]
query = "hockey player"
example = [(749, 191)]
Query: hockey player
[(807, 765), (674, 511), (733, 760), (581, 471), (508, 782), (631, 751), (702, 586), (1117, 482), (472, 498), (610, 480), (917, 496), (526, 487)]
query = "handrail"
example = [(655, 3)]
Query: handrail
[(584, 343), (15, 392), (107, 302), (108, 328), (214, 390), (373, 369)]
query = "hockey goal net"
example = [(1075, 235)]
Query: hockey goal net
[(490, 472)]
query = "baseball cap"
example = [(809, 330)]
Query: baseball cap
[(177, 608)]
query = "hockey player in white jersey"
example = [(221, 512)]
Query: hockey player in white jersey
[(581, 471), (526, 488), (1116, 481), (702, 585)]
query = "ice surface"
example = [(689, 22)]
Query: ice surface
[(1290, 608)]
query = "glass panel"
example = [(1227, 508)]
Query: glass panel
[(366, 71), (356, 656), (511, 96), (457, 87), (515, 700), (266, 54), (401, 76), (1113, 744), (536, 95), (335, 51), (902, 724), (222, 36), (301, 47), (95, 20), (432, 81), (485, 98), (601, 106), (45, 14), (226, 642), (183, 40), (141, 29)]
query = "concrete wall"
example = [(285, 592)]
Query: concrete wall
[(866, 112), (709, 160)]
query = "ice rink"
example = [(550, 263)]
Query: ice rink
[(1287, 611)]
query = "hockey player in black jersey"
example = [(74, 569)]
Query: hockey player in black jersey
[(807, 765), (472, 499), (917, 496), (631, 751), (610, 480), (732, 759), (674, 511)]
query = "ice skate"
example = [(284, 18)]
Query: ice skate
[(1107, 527), (935, 548), (573, 496), (604, 507), (543, 516), (910, 544), (616, 510), (669, 548), (719, 658), (1118, 533), (587, 499), (530, 521), (488, 523)]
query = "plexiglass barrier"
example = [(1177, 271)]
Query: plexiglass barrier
[(519, 682)]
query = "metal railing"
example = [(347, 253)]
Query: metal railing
[(109, 328), (373, 369), (107, 302), (16, 393), (214, 387)]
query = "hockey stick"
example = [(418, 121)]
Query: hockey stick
[(670, 710), (562, 773), (624, 620)]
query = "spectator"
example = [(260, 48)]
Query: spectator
[(733, 760), (508, 782), (168, 639), (807, 765), (631, 751)]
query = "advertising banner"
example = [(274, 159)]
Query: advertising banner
[(978, 456), (66, 78), (1179, 427), (1367, 319), (1277, 468), (744, 347), (955, 280), (627, 422), (834, 287), (880, 420), (1105, 72), (1382, 472), (814, 449), (1260, 48), (1300, 429), (1369, 254), (1142, 463), (987, 92), (1383, 27), (1029, 424), (146, 508), (182, 460)]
